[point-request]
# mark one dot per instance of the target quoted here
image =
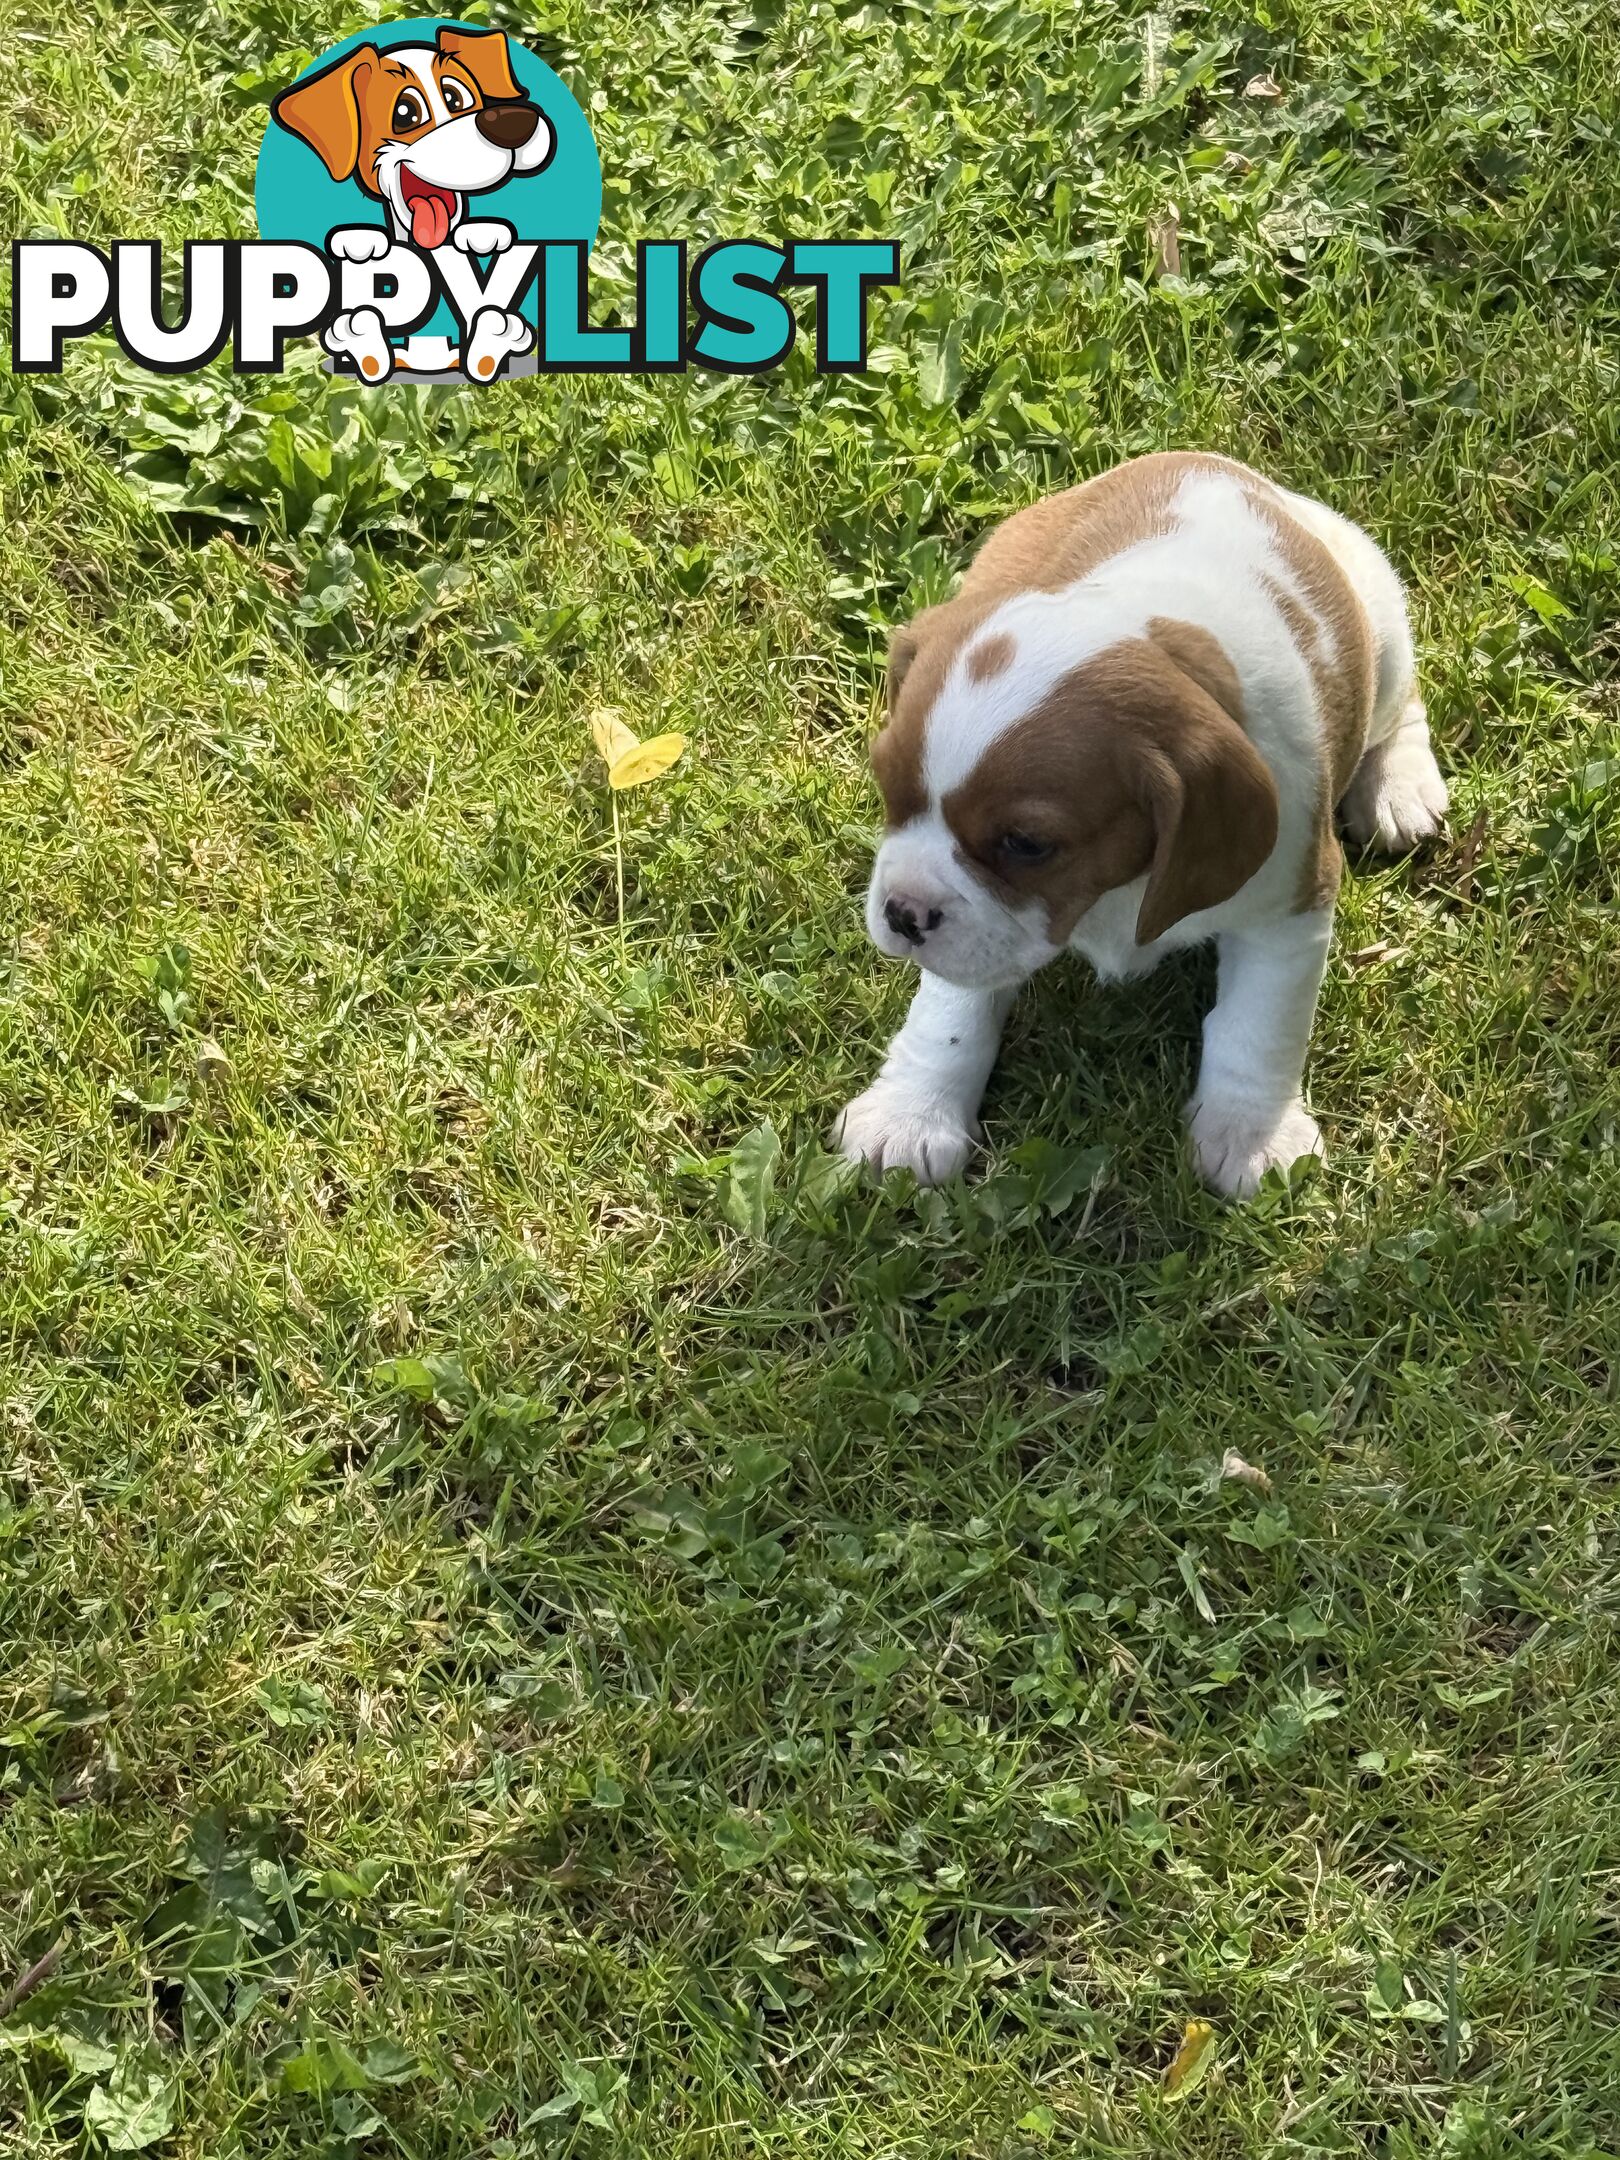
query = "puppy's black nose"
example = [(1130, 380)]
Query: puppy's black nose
[(909, 919), (510, 125)]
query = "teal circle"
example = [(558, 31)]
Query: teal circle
[(296, 198)]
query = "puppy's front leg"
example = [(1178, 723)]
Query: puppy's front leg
[(1246, 1113), (360, 243), (483, 236), (920, 1112)]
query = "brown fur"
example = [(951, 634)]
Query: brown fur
[(921, 655), (1128, 766), (1049, 544), (1344, 679), (991, 657), (1201, 655), (345, 113), (1080, 732), (1067, 536)]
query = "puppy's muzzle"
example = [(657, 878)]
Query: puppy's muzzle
[(508, 126)]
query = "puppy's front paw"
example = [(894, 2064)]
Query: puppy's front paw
[(360, 243), (1234, 1146), (890, 1130), (483, 236)]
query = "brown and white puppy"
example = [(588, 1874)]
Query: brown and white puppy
[(1127, 733), (421, 127)]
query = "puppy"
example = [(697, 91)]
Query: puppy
[(1127, 733), (422, 127)]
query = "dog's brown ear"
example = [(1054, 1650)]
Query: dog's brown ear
[(325, 111), (897, 750), (906, 643), (485, 56), (1214, 810)]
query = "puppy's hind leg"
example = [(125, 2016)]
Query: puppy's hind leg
[(1396, 797)]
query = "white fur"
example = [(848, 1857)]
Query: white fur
[(419, 59), (1397, 797), (360, 243), (1219, 567), (359, 335), (919, 1114), (453, 154), (496, 336), (483, 236)]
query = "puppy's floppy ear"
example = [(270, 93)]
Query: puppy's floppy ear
[(325, 111), (905, 644), (1214, 810), (484, 54), (903, 647)]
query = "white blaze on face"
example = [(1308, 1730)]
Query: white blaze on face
[(424, 210), (425, 181), (1050, 634), (419, 59), (980, 939), (925, 901)]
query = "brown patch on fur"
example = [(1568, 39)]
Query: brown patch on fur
[(346, 112), (1128, 765), (486, 57), (920, 656), (1198, 653), (990, 657), (1066, 537), (1052, 543), (325, 110), (1330, 627)]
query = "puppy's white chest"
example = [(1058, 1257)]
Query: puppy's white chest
[(1106, 935)]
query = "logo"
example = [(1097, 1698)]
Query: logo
[(427, 195), (434, 156)]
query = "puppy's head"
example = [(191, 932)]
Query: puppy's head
[(421, 127), (1021, 786)]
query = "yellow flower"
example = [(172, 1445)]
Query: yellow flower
[(629, 760)]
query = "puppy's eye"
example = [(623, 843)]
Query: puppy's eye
[(457, 97), (409, 111), (1023, 848)]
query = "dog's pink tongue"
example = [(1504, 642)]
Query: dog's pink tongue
[(430, 221)]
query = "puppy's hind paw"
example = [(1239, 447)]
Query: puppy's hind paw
[(1234, 1145), (887, 1130), (1397, 799), (359, 336), (497, 336)]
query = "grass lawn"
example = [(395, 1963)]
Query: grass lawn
[(534, 1617)]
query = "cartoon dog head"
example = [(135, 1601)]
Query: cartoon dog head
[(421, 127)]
